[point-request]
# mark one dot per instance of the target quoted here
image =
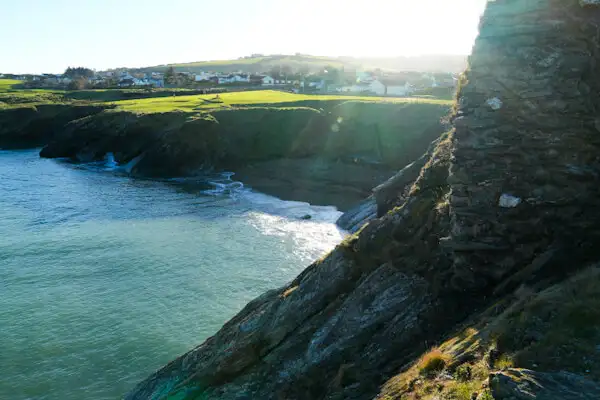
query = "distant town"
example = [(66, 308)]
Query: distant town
[(328, 80)]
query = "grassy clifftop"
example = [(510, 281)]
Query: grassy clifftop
[(262, 98)]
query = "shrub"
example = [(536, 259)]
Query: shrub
[(433, 363), (503, 362), (464, 373)]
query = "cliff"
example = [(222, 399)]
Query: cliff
[(34, 126), (485, 252), (324, 156)]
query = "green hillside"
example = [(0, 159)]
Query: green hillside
[(433, 63)]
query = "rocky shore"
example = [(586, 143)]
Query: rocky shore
[(330, 157), (477, 281)]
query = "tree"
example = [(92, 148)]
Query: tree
[(78, 72), (332, 74), (78, 83), (286, 71), (303, 70), (170, 75), (275, 72)]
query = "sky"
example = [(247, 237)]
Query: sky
[(46, 36)]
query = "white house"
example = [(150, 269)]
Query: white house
[(379, 88), (400, 90), (225, 79), (240, 78), (233, 78), (268, 81)]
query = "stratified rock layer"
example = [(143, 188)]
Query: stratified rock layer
[(523, 384), (509, 196), (527, 127)]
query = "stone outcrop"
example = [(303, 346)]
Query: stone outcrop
[(508, 197), (523, 384), (391, 193), (34, 126)]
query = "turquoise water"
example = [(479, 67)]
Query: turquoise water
[(104, 278)]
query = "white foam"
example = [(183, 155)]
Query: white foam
[(291, 209), (109, 162), (129, 166)]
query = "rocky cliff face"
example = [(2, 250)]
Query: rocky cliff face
[(508, 197), (332, 156), (31, 126)]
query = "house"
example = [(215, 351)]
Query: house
[(256, 79), (358, 87), (127, 82), (317, 85), (241, 78), (268, 81), (203, 77), (391, 87), (399, 89), (155, 82), (125, 76), (97, 81), (225, 79), (51, 79)]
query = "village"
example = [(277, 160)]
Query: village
[(329, 80)]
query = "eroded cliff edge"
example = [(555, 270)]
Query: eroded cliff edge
[(507, 199)]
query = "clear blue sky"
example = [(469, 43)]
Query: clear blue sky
[(49, 35)]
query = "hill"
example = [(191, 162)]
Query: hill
[(430, 63)]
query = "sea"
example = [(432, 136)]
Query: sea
[(104, 278)]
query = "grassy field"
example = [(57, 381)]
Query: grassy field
[(7, 84), (167, 100), (262, 98)]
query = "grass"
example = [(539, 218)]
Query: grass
[(256, 64), (11, 95), (7, 84), (167, 100), (433, 363), (262, 98), (556, 329)]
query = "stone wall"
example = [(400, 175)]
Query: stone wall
[(524, 177)]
